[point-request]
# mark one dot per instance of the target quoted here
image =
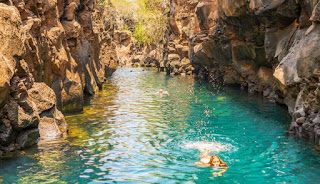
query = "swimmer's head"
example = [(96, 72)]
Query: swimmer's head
[(216, 161)]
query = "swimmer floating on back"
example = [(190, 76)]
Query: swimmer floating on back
[(212, 161)]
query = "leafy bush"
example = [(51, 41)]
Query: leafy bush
[(148, 16)]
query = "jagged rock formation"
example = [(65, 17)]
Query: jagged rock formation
[(56, 51), (53, 52), (269, 47), (123, 42), (121, 28)]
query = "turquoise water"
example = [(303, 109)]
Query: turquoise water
[(130, 134)]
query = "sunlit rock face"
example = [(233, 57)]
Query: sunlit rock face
[(11, 40), (266, 46), (64, 47), (53, 52)]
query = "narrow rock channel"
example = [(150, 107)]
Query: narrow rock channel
[(130, 134), (57, 54)]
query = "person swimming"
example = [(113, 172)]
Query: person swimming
[(161, 92), (212, 161), (205, 158)]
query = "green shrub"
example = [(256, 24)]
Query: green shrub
[(149, 19)]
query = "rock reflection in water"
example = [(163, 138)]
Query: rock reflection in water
[(129, 134)]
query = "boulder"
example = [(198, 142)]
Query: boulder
[(210, 52), (173, 61), (182, 51), (49, 129), (27, 138), (202, 55), (185, 62), (43, 96), (173, 57), (61, 122), (299, 113), (21, 118), (300, 120)]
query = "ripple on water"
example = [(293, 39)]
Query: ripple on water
[(129, 134)]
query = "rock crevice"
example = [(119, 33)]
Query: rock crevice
[(53, 53), (268, 47)]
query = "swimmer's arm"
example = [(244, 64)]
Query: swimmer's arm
[(201, 164), (224, 170), (223, 164), (220, 172)]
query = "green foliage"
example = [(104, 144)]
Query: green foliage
[(148, 16), (151, 22)]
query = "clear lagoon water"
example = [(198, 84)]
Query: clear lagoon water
[(130, 134)]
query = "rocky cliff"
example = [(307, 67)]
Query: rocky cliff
[(53, 52), (269, 47)]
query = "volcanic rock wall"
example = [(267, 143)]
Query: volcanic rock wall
[(52, 53), (266, 46)]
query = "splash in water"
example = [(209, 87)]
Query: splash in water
[(216, 147)]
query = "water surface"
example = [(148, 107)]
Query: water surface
[(130, 134)]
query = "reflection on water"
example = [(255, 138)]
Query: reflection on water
[(131, 134)]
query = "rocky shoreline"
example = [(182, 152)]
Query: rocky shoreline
[(270, 48), (266, 47), (54, 52)]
